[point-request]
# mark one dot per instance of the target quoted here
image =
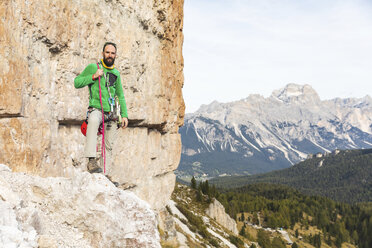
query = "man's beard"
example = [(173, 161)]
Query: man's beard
[(109, 61)]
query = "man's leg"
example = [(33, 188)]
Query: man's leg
[(95, 119), (111, 133)]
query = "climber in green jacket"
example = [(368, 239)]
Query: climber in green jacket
[(111, 88)]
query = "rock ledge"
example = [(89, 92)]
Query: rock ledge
[(85, 210)]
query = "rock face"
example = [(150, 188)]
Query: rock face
[(44, 45), (83, 210), (217, 211), (258, 134)]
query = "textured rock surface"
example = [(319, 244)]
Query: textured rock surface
[(217, 211), (83, 210), (44, 45)]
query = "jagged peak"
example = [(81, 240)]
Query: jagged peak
[(363, 102), (209, 107), (215, 110), (254, 97), (291, 93), (296, 92)]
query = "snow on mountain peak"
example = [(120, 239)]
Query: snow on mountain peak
[(296, 92)]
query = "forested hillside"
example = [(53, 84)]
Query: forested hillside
[(345, 176), (318, 220)]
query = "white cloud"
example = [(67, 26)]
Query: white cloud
[(236, 48)]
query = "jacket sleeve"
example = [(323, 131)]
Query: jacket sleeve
[(85, 78), (120, 93)]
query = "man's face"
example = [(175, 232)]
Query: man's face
[(109, 55)]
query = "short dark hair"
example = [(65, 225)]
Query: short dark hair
[(108, 43)]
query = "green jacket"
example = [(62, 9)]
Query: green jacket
[(85, 79)]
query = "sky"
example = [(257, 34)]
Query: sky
[(234, 48)]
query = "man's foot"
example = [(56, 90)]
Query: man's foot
[(93, 166), (113, 182), (125, 186)]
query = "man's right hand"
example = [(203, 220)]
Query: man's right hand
[(98, 73), (124, 122)]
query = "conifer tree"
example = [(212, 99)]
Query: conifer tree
[(193, 183), (242, 232), (213, 191), (317, 241), (199, 196), (205, 187)]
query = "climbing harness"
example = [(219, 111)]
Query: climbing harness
[(84, 125)]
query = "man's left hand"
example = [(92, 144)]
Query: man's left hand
[(124, 122)]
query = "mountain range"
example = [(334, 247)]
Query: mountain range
[(258, 134)]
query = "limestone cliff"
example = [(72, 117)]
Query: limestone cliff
[(44, 45), (217, 211)]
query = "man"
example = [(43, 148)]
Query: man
[(110, 87)]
